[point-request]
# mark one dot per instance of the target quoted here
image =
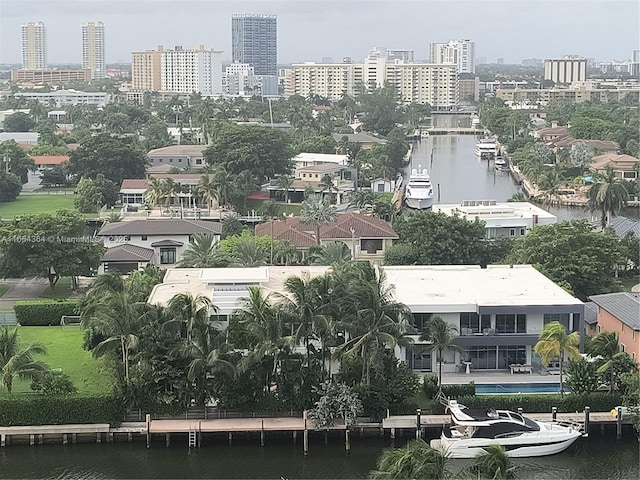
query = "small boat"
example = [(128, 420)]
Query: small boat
[(486, 148), (472, 430), (500, 163), (419, 192)]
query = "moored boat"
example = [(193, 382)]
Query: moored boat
[(486, 148), (472, 430), (419, 191)]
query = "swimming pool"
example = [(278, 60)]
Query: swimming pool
[(518, 388)]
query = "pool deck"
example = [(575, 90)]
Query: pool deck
[(500, 376)]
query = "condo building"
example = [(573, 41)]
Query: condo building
[(34, 45), (186, 71), (93, 49), (146, 70), (459, 52), (565, 71), (254, 40)]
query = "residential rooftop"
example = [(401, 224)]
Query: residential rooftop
[(624, 306), (174, 150), (160, 227)]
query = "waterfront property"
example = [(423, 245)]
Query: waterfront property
[(504, 219), (499, 311), (178, 156), (620, 313), (132, 244), (622, 165)]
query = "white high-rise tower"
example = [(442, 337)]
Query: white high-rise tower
[(93, 49), (34, 46)]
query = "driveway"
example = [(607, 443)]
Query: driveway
[(22, 289)]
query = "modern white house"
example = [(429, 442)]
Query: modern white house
[(132, 244), (309, 159), (504, 219), (498, 311)]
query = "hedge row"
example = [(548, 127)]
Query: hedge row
[(44, 313), (40, 410), (597, 401)]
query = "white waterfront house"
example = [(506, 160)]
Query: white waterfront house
[(499, 311), (504, 219)]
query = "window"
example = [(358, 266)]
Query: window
[(167, 256), (563, 318), (381, 187), (471, 323), (371, 245), (421, 321), (522, 231), (623, 348), (510, 354), (511, 323), (144, 238), (512, 232)]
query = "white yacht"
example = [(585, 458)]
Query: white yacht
[(419, 192), (486, 148), (500, 163), (472, 430)]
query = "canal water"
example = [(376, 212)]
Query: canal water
[(598, 457)]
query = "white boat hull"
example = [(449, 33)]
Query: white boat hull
[(419, 203), (516, 447)]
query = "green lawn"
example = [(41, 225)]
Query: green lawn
[(64, 347), (3, 288), (32, 204), (627, 283), (62, 290)]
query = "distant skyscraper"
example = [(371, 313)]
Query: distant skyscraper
[(254, 40), (93, 49), (459, 52), (34, 45), (146, 70), (187, 71)]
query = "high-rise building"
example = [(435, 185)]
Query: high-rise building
[(405, 56), (566, 70), (93, 49), (254, 40), (187, 71), (146, 70), (34, 45), (458, 52)]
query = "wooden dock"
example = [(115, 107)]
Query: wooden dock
[(454, 131)]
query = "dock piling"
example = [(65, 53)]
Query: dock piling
[(520, 410), (98, 437), (554, 413), (262, 434), (619, 423), (32, 439), (418, 424), (167, 439), (65, 439), (347, 440), (148, 422), (3, 440), (587, 410), (230, 438)]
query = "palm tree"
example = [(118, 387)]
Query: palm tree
[(330, 254), (203, 252), (608, 195), (285, 182), (265, 328), (494, 463), (415, 460), (375, 320), (117, 317), (207, 190), (17, 362), (607, 346), (316, 211), (156, 192), (554, 341), (270, 210), (249, 253), (192, 312), (441, 335), (223, 181)]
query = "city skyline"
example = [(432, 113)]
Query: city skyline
[(313, 29)]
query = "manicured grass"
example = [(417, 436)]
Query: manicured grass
[(627, 283), (33, 204), (62, 290), (3, 288), (64, 350)]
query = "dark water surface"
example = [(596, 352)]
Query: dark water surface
[(600, 456)]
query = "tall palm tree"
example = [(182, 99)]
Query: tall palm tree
[(270, 211), (285, 182), (265, 328), (16, 361), (607, 195), (249, 253), (207, 190), (156, 192), (203, 252), (192, 312), (607, 346), (223, 182), (317, 211), (494, 463), (415, 460), (441, 335), (554, 341), (330, 253), (117, 317)]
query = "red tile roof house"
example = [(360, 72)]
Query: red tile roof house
[(44, 162), (366, 237)]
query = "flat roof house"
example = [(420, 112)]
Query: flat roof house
[(132, 244), (179, 156), (499, 311)]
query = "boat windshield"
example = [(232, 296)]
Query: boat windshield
[(420, 185)]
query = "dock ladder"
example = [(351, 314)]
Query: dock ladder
[(193, 436)]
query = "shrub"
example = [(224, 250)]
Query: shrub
[(454, 390), (44, 313), (430, 385), (598, 402), (53, 383), (59, 410)]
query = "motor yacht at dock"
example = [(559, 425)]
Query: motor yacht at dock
[(419, 191), (487, 149)]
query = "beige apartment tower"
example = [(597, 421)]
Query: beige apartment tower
[(565, 71), (34, 45), (93, 49), (146, 70)]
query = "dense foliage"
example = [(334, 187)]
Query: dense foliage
[(43, 312), (59, 410)]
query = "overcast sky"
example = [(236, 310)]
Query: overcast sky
[(309, 30)]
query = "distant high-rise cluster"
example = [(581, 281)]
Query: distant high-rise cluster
[(93, 49), (254, 40), (34, 46), (458, 52)]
